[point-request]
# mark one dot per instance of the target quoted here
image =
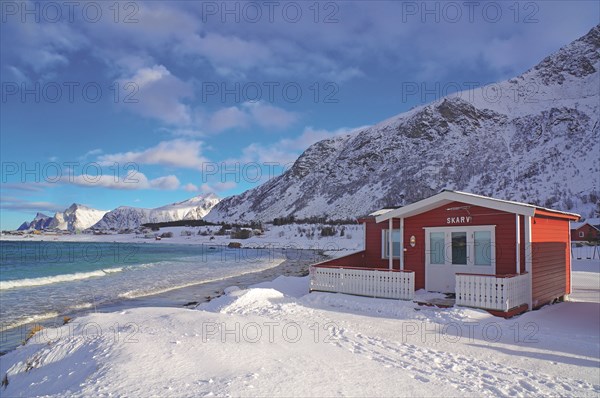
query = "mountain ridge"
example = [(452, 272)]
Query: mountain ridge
[(532, 138), (78, 217), (127, 217)]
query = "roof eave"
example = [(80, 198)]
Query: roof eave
[(557, 214), (448, 196)]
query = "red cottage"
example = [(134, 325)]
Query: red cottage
[(499, 255), (586, 231)]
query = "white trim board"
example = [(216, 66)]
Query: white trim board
[(448, 196)]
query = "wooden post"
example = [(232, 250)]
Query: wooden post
[(402, 243), (518, 243), (390, 244), (528, 260), (570, 259)]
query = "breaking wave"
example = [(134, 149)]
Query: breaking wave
[(48, 280)]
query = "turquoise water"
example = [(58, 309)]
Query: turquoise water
[(41, 280)]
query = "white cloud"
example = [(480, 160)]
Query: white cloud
[(227, 53), (133, 180), (217, 187), (269, 116), (154, 92), (174, 153), (27, 186), (250, 114), (12, 203), (90, 153), (169, 183), (339, 51), (228, 118), (17, 74), (267, 154), (183, 132), (287, 150), (190, 187), (44, 46)]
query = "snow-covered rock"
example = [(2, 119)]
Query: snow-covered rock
[(126, 217), (76, 218), (533, 138), (192, 209), (40, 221)]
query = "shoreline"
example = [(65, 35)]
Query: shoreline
[(181, 297), (276, 237)]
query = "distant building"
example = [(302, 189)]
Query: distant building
[(586, 231)]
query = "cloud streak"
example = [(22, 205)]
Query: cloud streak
[(174, 153), (251, 115), (16, 204), (133, 180)]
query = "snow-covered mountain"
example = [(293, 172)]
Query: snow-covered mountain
[(125, 217), (533, 138), (192, 209), (75, 218)]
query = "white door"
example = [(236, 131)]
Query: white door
[(452, 250), (439, 274)]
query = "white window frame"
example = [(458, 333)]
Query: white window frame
[(581, 234), (470, 230), (385, 243)]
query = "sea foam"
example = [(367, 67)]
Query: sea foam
[(48, 280)]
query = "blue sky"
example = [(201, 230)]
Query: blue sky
[(148, 103)]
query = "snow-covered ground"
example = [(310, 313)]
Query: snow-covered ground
[(275, 339), (278, 236)]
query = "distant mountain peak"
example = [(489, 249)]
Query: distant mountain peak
[(126, 217), (80, 217), (39, 216)]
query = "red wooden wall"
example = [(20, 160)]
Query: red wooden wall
[(550, 259)]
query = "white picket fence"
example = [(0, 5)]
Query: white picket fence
[(491, 292), (364, 282)]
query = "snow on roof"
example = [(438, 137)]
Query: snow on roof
[(382, 211), (594, 222), (512, 202), (448, 195)]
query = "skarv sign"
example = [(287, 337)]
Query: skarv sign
[(459, 220)]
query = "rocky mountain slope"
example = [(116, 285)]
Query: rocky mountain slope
[(77, 218), (40, 221), (534, 138), (125, 217)]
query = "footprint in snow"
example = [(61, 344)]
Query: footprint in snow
[(421, 378), (527, 386)]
